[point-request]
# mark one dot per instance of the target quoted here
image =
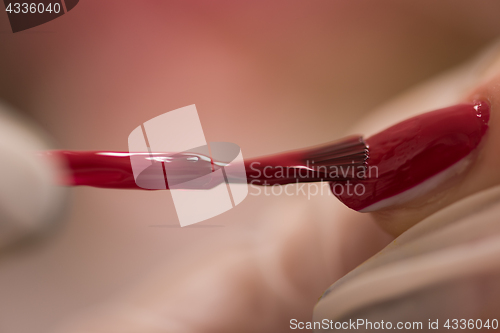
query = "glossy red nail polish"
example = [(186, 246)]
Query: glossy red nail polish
[(97, 169), (410, 152), (114, 169)]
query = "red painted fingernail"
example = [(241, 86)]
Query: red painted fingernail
[(418, 149)]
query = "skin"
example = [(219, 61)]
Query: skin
[(481, 175), (259, 288)]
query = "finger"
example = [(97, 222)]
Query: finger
[(257, 283), (475, 172), (30, 202), (439, 269)]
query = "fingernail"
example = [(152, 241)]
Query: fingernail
[(416, 153)]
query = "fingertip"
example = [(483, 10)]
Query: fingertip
[(30, 200)]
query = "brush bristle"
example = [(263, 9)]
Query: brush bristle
[(348, 152)]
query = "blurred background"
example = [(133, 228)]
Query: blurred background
[(267, 75)]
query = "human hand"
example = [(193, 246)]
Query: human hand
[(30, 200), (259, 284)]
